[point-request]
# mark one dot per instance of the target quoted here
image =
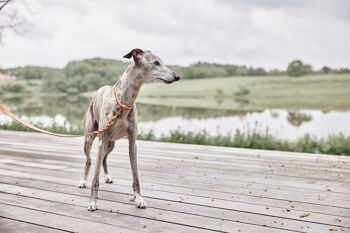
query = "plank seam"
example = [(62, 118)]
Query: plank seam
[(278, 228), (174, 185), (241, 211), (36, 224), (64, 215)]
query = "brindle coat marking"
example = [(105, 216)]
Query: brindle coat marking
[(146, 66)]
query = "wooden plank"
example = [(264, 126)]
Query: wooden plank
[(241, 161), (218, 151), (250, 189), (30, 136), (330, 174), (199, 190), (189, 188), (173, 207), (252, 216), (337, 165), (325, 206), (13, 226), (226, 174), (281, 170), (124, 186), (57, 221), (105, 218), (115, 213), (239, 176), (216, 224)]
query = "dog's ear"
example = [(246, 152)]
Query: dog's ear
[(135, 54)]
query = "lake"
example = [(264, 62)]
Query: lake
[(283, 123)]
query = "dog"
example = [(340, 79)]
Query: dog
[(102, 108)]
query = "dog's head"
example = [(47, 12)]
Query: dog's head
[(151, 66)]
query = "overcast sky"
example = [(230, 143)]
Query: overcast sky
[(267, 33)]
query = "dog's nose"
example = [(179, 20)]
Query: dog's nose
[(176, 77)]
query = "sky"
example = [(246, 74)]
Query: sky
[(265, 33)]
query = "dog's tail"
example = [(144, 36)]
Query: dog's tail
[(89, 113)]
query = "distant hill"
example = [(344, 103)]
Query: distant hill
[(88, 74)]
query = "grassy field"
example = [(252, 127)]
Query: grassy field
[(326, 92), (32, 88)]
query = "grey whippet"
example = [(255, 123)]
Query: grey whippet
[(146, 66)]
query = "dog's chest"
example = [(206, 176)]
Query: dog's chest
[(119, 129)]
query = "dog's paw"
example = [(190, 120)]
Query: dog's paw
[(140, 203), (108, 179), (82, 184), (92, 206)]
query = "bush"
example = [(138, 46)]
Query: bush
[(242, 91), (13, 87), (335, 144), (296, 69)]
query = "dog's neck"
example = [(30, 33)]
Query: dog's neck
[(128, 86)]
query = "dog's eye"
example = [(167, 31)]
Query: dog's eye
[(156, 63)]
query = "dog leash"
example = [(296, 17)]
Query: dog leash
[(118, 111)]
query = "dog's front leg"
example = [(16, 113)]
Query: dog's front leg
[(102, 151), (140, 203)]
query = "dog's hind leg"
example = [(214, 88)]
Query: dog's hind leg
[(108, 178), (87, 148), (90, 126)]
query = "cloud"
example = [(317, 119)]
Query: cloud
[(261, 33)]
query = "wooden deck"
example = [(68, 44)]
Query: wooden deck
[(188, 189)]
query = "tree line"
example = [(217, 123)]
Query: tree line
[(89, 74)]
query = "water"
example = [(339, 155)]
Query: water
[(281, 123), (285, 124)]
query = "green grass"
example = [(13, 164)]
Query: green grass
[(335, 144), (31, 89), (325, 92)]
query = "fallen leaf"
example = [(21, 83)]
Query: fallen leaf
[(303, 215)]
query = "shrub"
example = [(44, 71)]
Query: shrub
[(295, 68), (13, 87)]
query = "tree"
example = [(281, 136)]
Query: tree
[(308, 69), (275, 72), (296, 68), (9, 17), (326, 70), (3, 3)]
